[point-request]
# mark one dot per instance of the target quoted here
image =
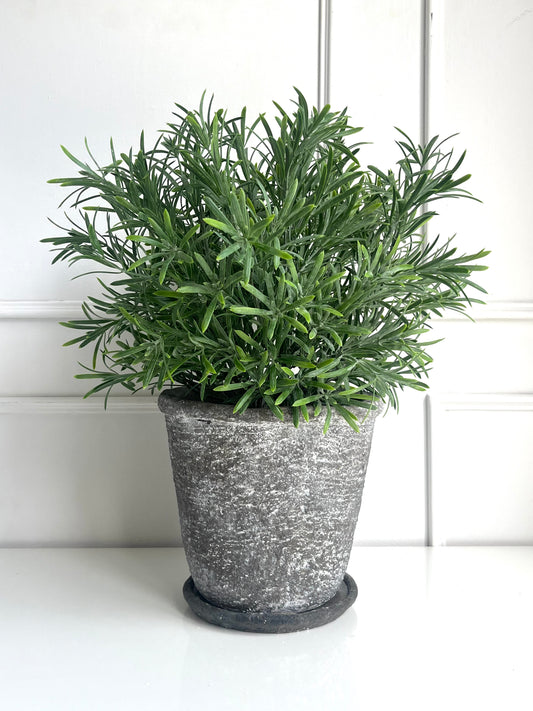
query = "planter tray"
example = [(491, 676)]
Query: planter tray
[(272, 622)]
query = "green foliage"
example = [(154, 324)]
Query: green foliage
[(261, 266)]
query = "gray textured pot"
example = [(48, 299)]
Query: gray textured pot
[(267, 511)]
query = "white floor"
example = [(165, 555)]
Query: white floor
[(107, 629)]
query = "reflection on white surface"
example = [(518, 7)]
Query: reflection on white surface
[(298, 668), (108, 629)]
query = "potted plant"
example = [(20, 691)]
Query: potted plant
[(278, 294)]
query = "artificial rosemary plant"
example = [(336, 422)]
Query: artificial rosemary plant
[(262, 266)]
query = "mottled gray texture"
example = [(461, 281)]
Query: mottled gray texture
[(267, 511)]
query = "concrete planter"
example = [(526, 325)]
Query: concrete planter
[(267, 512)]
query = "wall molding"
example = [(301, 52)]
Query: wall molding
[(76, 405), (142, 404), (56, 310), (480, 402), (496, 311)]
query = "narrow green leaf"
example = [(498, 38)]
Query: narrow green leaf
[(282, 254), (258, 294), (230, 386), (208, 315), (305, 400), (218, 225), (275, 409), (228, 250), (249, 311), (190, 233), (248, 339), (259, 227), (202, 262), (350, 418), (209, 368), (194, 289), (296, 416), (167, 222), (295, 324), (327, 421), (283, 396), (245, 400), (305, 313)]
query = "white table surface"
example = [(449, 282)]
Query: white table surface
[(102, 629)]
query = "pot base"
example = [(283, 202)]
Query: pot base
[(272, 622)]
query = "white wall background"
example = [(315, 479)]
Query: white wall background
[(452, 468)]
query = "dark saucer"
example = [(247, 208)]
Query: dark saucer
[(272, 622)]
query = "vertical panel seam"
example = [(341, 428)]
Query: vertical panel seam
[(425, 70), (424, 136), (324, 53), (428, 479), (425, 52)]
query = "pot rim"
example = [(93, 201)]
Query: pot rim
[(172, 402)]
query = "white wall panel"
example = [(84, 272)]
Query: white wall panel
[(481, 474), (74, 474), (482, 458), (100, 69), (489, 356), (393, 510), (376, 52), (480, 85), (33, 361), (376, 55)]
